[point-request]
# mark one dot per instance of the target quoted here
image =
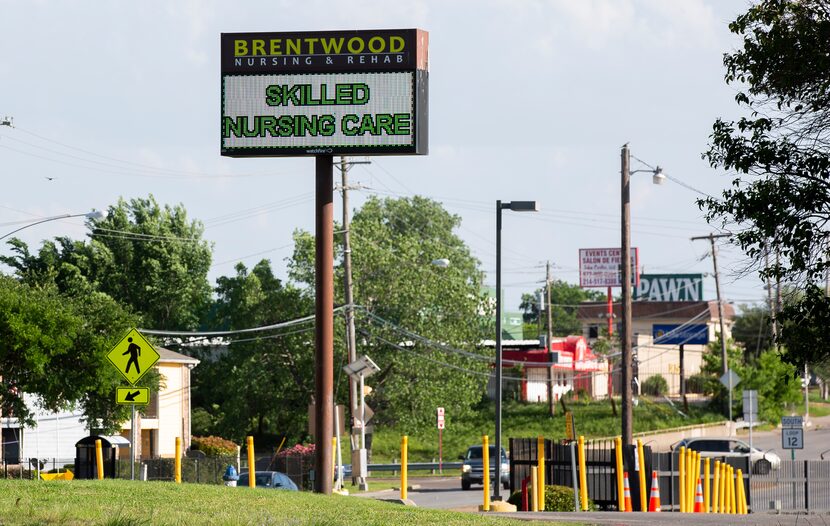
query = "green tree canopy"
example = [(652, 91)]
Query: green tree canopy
[(565, 299), (422, 324), (262, 384), (149, 258), (753, 330), (55, 346), (780, 152)]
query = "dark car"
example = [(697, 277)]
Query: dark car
[(268, 479), (472, 470)]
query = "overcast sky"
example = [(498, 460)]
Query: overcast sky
[(528, 100)]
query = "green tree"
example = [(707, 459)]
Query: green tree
[(416, 316), (262, 384), (776, 383), (781, 154), (565, 299), (753, 330), (773, 378), (55, 346), (145, 256)]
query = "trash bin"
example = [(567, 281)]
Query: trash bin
[(230, 477), (86, 465)]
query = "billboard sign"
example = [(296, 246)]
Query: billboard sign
[(669, 287), (325, 92), (692, 334), (602, 267)]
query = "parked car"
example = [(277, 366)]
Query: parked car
[(472, 470), (268, 479), (760, 461)]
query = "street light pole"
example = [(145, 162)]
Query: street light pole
[(625, 333), (516, 206), (626, 279), (95, 214)]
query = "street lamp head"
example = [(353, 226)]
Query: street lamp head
[(522, 206), (659, 177), (95, 214)]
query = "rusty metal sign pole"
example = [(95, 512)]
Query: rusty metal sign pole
[(324, 322)]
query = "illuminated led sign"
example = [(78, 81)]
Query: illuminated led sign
[(333, 92)]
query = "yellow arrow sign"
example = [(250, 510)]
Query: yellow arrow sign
[(133, 356), (132, 395)]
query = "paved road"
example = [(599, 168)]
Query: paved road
[(446, 492), (437, 493), (816, 441)]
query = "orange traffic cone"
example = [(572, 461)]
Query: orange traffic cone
[(654, 498), (698, 498), (626, 494)]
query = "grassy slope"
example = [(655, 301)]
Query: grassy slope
[(593, 420), (122, 503)]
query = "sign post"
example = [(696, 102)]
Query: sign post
[(133, 356), (792, 438), (729, 380), (324, 93), (440, 422), (362, 367)]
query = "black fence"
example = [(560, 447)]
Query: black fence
[(795, 486), (207, 470), (600, 468)]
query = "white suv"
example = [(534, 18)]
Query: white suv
[(730, 447)]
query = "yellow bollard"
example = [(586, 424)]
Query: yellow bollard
[(707, 497), (534, 493), (99, 459), (252, 463), (333, 457), (643, 505), (583, 475), (485, 464), (731, 488), (177, 464), (540, 454), (722, 492), (716, 474), (404, 470), (620, 487), (690, 481), (741, 497), (681, 478)]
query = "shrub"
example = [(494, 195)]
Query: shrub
[(695, 383), (557, 498), (302, 450), (655, 385), (213, 446)]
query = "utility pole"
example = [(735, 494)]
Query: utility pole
[(549, 308), (772, 310), (627, 417), (347, 286), (724, 362), (348, 297)]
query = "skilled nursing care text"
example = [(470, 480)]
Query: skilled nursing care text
[(306, 124)]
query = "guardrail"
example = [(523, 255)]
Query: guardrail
[(412, 466)]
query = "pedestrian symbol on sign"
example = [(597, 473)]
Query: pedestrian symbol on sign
[(134, 351), (133, 356)]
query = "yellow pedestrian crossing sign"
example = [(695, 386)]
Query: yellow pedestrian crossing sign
[(133, 356), (132, 395)]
